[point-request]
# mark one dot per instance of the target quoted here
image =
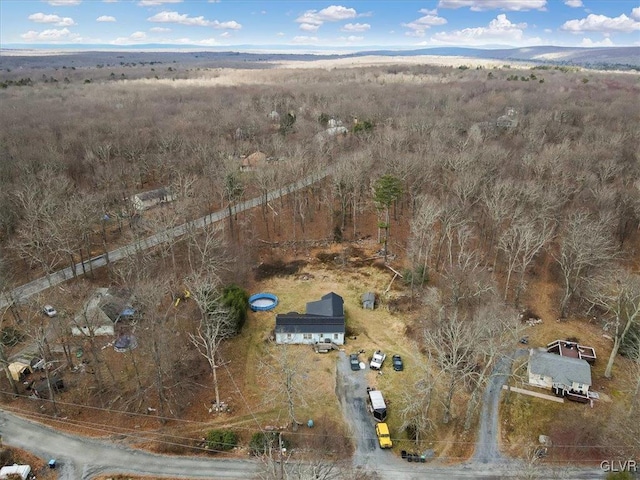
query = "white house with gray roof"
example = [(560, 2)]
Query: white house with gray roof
[(566, 376), (323, 322)]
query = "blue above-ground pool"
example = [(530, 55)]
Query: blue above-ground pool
[(261, 302)]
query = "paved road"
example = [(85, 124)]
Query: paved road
[(488, 464), (36, 286), (83, 458)]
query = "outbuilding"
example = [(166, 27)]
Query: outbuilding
[(18, 370), (369, 301), (11, 470)]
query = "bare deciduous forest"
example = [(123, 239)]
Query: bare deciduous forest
[(514, 189)]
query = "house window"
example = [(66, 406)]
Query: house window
[(580, 386), (541, 377), (289, 336), (322, 335), (306, 336), (336, 336)]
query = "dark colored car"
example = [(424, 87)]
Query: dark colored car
[(398, 366), (354, 361)]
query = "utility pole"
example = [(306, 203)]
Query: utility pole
[(281, 459)]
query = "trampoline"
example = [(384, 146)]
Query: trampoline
[(261, 302)]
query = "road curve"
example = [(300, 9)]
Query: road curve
[(40, 284), (84, 458)]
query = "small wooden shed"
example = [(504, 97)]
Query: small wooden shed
[(369, 301)]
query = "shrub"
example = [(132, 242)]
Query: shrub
[(221, 440), (10, 336), (236, 299), (365, 126), (262, 442)]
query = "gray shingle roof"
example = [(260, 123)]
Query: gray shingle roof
[(300, 323), (331, 305), (563, 370), (323, 316)]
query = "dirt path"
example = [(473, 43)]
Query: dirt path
[(487, 445)]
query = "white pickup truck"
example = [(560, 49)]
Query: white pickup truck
[(377, 360)]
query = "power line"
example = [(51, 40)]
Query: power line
[(103, 427)]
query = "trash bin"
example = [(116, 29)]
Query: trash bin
[(52, 463)]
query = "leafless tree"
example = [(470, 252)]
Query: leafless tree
[(586, 245), (521, 242), (496, 329), (417, 400), (619, 296), (285, 365), (451, 342), (215, 326)]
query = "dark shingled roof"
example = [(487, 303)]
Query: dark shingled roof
[(331, 305), (323, 316)]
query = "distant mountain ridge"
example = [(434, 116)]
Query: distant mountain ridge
[(625, 58), (582, 56)]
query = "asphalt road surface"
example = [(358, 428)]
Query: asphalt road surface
[(83, 458), (36, 286), (487, 463)]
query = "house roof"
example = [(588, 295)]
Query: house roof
[(330, 305), (294, 322), (104, 307), (563, 370), (254, 160), (153, 194), (323, 316), (368, 297)]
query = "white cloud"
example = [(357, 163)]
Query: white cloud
[(573, 3), (55, 19), (548, 30), (500, 30), (426, 11), (351, 39), (63, 3), (333, 13), (225, 34), (587, 42), (110, 1), (135, 37), (155, 3), (280, 34), (479, 5), (206, 42), (52, 35), (309, 27), (105, 18), (417, 27), (159, 29), (356, 27), (305, 39), (635, 13), (231, 25), (185, 19), (602, 24)]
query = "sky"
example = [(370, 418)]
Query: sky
[(395, 24)]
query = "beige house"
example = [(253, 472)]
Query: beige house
[(146, 200), (565, 376)]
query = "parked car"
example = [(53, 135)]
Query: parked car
[(49, 311), (377, 360), (398, 366), (354, 361), (384, 438)]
